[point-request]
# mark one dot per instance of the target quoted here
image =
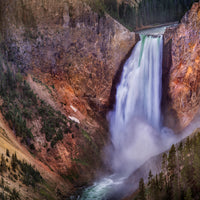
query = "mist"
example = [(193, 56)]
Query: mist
[(135, 122), (136, 130)]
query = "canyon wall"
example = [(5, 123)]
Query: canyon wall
[(181, 70), (71, 56), (68, 40), (78, 55)]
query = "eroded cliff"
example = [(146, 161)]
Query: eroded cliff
[(70, 56), (181, 65)]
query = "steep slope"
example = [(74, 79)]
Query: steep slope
[(181, 67), (178, 175), (69, 41), (15, 179), (60, 62)]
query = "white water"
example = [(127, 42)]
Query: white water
[(135, 122), (102, 189), (136, 119)]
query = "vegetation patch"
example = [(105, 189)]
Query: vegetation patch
[(82, 162), (72, 176), (17, 170), (180, 175), (43, 192), (146, 12), (20, 106), (97, 6), (86, 135)]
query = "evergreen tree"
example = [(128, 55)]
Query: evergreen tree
[(188, 145), (161, 181), (14, 161), (7, 153), (180, 175), (164, 162), (141, 193), (14, 195), (150, 177), (156, 189), (3, 166), (175, 188), (171, 161), (197, 170), (188, 195)]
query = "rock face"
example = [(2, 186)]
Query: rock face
[(181, 69), (77, 52), (68, 40)]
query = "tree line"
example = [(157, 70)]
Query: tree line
[(179, 178), (147, 12), (21, 105)]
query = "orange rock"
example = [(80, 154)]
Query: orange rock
[(184, 77)]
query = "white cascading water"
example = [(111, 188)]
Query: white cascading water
[(139, 92), (135, 122), (136, 119)]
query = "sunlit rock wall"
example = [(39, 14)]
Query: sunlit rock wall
[(181, 69)]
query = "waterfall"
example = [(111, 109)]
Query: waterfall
[(137, 114), (135, 122)]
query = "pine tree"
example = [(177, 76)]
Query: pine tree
[(161, 181), (172, 161), (141, 194), (14, 161), (14, 195), (188, 195), (156, 189), (150, 177), (180, 175), (197, 170), (7, 153), (180, 152), (164, 162), (188, 145), (175, 188), (3, 166)]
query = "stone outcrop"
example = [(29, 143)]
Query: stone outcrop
[(69, 41), (76, 52), (181, 70)]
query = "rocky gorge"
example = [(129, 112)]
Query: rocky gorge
[(181, 63), (72, 56)]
